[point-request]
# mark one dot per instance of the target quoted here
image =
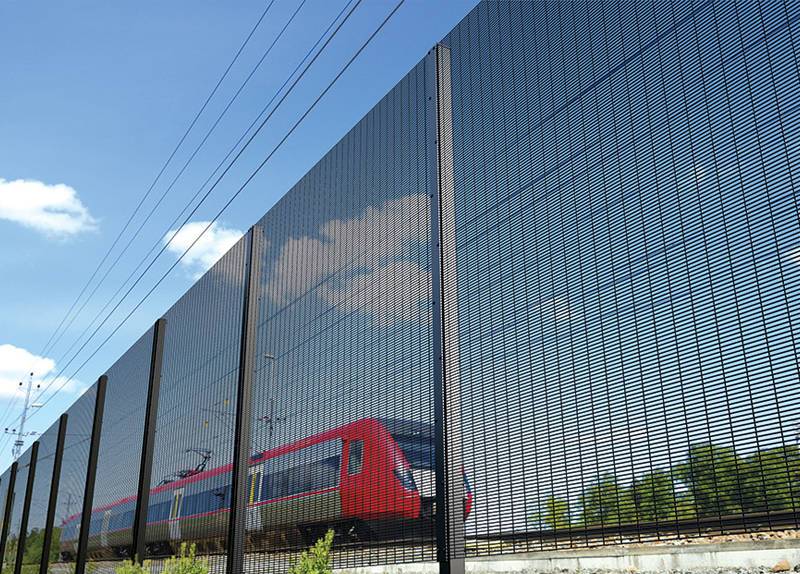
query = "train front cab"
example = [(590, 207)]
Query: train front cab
[(388, 485)]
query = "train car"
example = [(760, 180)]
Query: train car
[(368, 480)]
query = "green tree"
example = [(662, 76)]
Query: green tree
[(654, 497), (316, 560), (713, 480), (770, 479), (607, 503), (686, 507), (711, 474), (555, 514)]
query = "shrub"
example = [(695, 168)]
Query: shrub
[(186, 563), (130, 567), (316, 560)]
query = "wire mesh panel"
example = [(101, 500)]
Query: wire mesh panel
[(628, 269), (73, 481), (620, 216), (34, 537), (342, 408), (191, 484), (18, 498), (110, 537)]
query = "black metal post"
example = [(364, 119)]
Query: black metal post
[(26, 508), (449, 517), (44, 564), (91, 474), (148, 442), (12, 480), (242, 435)]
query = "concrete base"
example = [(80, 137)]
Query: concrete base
[(698, 557)]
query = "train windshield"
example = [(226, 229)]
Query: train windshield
[(419, 450)]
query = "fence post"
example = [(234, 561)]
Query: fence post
[(26, 507), (449, 517), (47, 540), (12, 479), (237, 524), (148, 442), (91, 474)]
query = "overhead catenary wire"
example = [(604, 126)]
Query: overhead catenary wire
[(205, 196), (164, 194), (13, 402), (10, 408), (50, 341), (202, 187), (246, 182)]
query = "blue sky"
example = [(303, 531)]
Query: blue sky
[(96, 95)]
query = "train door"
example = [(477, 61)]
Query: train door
[(254, 485), (104, 529), (175, 515)]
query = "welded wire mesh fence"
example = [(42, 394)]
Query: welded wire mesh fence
[(545, 294)]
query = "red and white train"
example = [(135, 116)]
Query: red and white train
[(371, 479)]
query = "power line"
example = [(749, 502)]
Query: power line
[(200, 189), (164, 194), (196, 207), (246, 182), (50, 340), (241, 188), (9, 410), (11, 403)]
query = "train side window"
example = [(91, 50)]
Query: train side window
[(159, 512), (190, 505), (356, 457), (275, 485)]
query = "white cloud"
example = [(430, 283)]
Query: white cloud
[(17, 363), (54, 210), (361, 264), (208, 249)]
